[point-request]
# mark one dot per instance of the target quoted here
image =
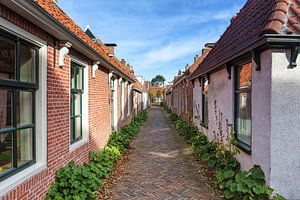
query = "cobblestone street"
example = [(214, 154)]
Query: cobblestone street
[(161, 165)]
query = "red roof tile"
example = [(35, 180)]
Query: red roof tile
[(63, 18), (138, 86), (154, 90), (256, 18)]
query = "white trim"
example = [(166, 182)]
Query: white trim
[(115, 125), (85, 106), (94, 68), (122, 100), (41, 111), (15, 30), (128, 99)]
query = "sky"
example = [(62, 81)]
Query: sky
[(155, 36)]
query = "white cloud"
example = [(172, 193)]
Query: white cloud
[(154, 36)]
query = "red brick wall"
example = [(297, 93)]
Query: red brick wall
[(183, 88), (126, 119), (58, 106)]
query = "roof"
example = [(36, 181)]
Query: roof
[(155, 90), (137, 86), (197, 61), (50, 7), (256, 18)]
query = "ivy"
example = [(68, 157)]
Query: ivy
[(220, 156), (80, 182)]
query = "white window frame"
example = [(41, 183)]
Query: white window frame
[(122, 99), (85, 106), (128, 98), (40, 109)]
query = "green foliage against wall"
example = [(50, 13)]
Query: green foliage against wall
[(80, 182), (220, 157)]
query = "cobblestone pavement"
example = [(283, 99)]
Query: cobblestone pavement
[(161, 165)]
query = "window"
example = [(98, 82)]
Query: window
[(204, 89), (128, 100), (18, 86), (122, 99), (243, 105), (77, 89), (112, 83)]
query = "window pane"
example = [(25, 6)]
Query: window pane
[(245, 76), (77, 104), (244, 118), (79, 78), (72, 77), (24, 145), (78, 128), (72, 129), (5, 108), (6, 160), (7, 59), (24, 107), (205, 101), (27, 64)]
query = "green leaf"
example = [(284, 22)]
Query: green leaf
[(258, 189), (206, 157), (242, 188), (228, 174), (279, 197)]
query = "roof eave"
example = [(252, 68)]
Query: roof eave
[(37, 15), (265, 42), (259, 42)]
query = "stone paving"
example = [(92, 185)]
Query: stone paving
[(161, 165)]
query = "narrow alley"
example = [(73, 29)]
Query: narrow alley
[(161, 165)]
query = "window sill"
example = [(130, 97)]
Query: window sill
[(78, 144), (244, 147), (204, 125), (13, 181)]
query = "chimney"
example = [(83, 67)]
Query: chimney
[(195, 58), (233, 18), (207, 48), (111, 48), (123, 62), (186, 67)]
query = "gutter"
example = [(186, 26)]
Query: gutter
[(37, 15), (265, 42)]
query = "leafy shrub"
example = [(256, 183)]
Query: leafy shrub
[(74, 182), (220, 156), (80, 182), (244, 184), (168, 110), (174, 117)]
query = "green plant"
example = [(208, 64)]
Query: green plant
[(80, 182), (244, 184), (220, 155), (74, 182), (174, 117)]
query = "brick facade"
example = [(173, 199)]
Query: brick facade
[(179, 97), (58, 113)]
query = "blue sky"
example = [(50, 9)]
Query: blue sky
[(155, 36)]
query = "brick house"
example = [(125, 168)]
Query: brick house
[(182, 87), (156, 94), (252, 77), (145, 93), (56, 96), (168, 95), (138, 90)]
